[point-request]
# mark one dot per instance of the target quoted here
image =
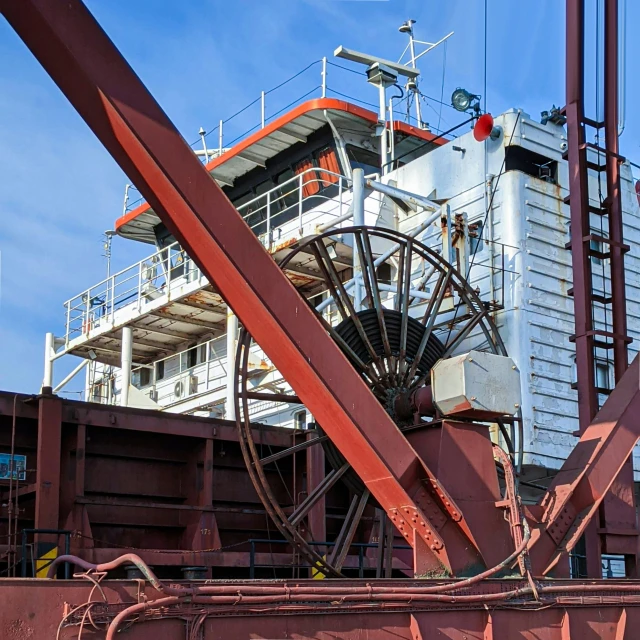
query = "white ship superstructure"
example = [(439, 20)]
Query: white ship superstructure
[(157, 334)]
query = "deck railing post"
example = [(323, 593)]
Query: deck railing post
[(300, 196), (139, 286), (324, 77), (87, 311), (268, 220), (68, 322)]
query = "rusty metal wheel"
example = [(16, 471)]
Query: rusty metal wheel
[(395, 308)]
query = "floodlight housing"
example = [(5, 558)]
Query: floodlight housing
[(461, 99)]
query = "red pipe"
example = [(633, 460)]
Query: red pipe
[(137, 608)]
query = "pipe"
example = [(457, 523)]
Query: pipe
[(126, 362), (49, 350), (232, 335), (622, 107), (141, 607), (382, 119), (405, 196), (71, 375), (285, 597), (205, 153), (321, 228), (358, 221)]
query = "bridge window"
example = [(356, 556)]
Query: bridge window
[(360, 158), (328, 162)]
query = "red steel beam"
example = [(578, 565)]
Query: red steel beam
[(614, 198), (588, 404), (577, 491), (112, 100), (619, 508)]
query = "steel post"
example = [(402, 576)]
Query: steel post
[(232, 337), (614, 199), (49, 350), (126, 363), (315, 475), (47, 470), (358, 220), (619, 508), (580, 228)]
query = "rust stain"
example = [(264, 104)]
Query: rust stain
[(283, 245)]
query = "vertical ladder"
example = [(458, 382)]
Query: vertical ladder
[(616, 532)]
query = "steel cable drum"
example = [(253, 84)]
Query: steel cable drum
[(393, 321), (413, 309), (368, 318)]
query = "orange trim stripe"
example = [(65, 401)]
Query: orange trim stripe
[(312, 105)]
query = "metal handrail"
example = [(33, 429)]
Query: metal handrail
[(207, 152), (361, 546), (284, 208)]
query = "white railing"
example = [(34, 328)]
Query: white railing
[(176, 379), (313, 196), (310, 82)]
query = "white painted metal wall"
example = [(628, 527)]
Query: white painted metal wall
[(527, 229)]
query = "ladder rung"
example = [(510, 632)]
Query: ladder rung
[(598, 211), (594, 237), (615, 337), (596, 297), (593, 123), (604, 390), (595, 166), (603, 255), (607, 152)]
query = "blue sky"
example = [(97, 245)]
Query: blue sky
[(204, 60)]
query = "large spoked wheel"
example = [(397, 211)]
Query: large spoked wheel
[(395, 308)]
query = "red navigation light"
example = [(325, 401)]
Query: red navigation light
[(483, 128)]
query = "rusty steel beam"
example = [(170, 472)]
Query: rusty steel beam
[(580, 219), (619, 508), (614, 197), (49, 450), (584, 338), (103, 88), (577, 491)]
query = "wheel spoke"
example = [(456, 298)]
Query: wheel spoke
[(273, 397), (371, 283), (322, 489), (331, 285), (463, 333), (450, 346), (324, 257), (291, 450), (348, 530), (403, 305), (430, 315)]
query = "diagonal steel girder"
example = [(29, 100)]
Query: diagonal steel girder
[(586, 476), (97, 80)]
